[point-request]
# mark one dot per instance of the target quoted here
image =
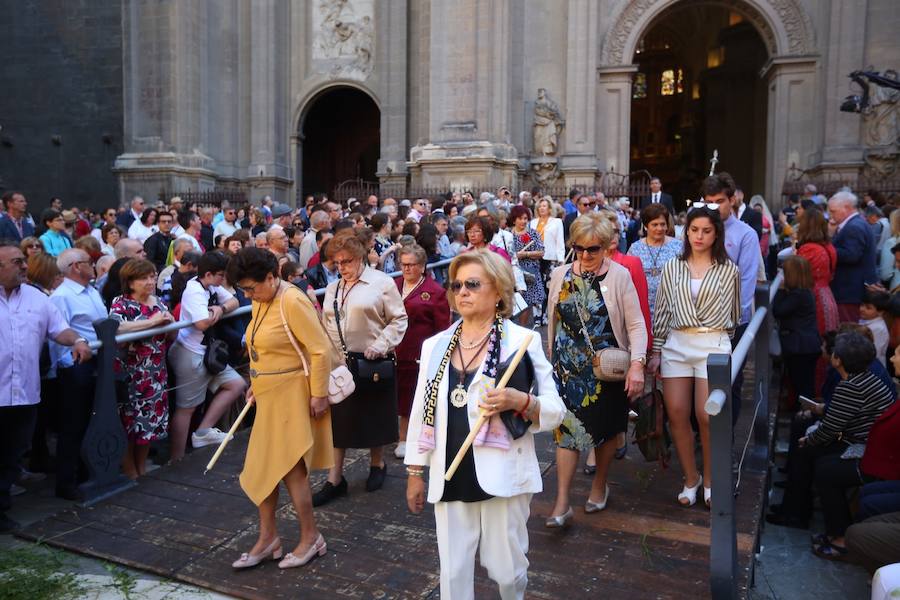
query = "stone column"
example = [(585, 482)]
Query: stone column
[(391, 22), (614, 118), (789, 134), (578, 158)]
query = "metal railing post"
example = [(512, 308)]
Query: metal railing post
[(104, 441), (723, 534), (762, 373)]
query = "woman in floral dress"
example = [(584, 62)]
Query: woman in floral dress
[(529, 250), (145, 413)]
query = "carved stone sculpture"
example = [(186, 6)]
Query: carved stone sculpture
[(345, 37), (881, 125), (548, 124)]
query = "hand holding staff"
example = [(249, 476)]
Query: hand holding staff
[(481, 417), (237, 422)]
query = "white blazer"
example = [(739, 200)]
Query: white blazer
[(554, 240), (502, 473)]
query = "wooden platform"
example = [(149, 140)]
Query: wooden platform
[(183, 525)]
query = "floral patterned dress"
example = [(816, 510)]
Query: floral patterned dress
[(534, 292), (145, 415), (596, 410)]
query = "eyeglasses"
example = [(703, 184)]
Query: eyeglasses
[(408, 265), (587, 204), (709, 205), (345, 263), (589, 249), (473, 285)]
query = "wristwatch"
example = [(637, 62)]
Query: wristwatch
[(641, 359), (81, 339)]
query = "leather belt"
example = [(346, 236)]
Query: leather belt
[(701, 330), (255, 373)]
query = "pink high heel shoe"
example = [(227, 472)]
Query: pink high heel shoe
[(251, 560), (317, 549)]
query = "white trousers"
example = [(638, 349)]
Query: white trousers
[(498, 527)]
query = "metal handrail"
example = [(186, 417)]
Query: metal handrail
[(722, 372)]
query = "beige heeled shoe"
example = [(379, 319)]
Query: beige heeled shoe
[(561, 521), (248, 560), (317, 549)]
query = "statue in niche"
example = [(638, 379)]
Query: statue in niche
[(881, 117), (548, 124)]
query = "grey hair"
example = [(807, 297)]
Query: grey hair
[(319, 219), (69, 257), (846, 197), (124, 247)]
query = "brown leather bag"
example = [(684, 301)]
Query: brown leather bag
[(650, 432)]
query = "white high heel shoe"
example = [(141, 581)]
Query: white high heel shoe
[(688, 495), (707, 497), (248, 560)]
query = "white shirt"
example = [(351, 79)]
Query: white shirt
[(881, 337), (193, 240), (80, 306), (140, 232), (656, 196), (195, 307), (224, 228)]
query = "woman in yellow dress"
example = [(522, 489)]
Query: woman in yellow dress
[(292, 430)]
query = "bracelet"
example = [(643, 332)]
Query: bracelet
[(417, 472), (81, 339), (527, 404)]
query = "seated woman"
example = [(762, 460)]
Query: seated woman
[(858, 400)]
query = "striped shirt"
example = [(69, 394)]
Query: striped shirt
[(718, 304), (856, 403)]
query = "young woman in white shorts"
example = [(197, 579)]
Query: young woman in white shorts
[(697, 308)]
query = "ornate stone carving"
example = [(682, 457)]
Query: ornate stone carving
[(544, 171), (881, 128), (793, 22), (548, 124), (344, 38)]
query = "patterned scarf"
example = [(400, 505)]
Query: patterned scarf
[(493, 433)]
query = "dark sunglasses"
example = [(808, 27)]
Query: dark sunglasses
[(589, 249), (589, 204), (473, 285)]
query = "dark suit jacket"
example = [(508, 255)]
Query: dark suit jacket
[(125, 219), (9, 231), (206, 237), (316, 277), (664, 199), (855, 248), (753, 219), (567, 221), (157, 249)]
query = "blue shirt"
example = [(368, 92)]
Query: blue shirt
[(742, 247), (55, 243), (80, 306)]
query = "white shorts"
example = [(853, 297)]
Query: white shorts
[(192, 379), (684, 354)]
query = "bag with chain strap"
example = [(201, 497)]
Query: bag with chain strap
[(609, 364)]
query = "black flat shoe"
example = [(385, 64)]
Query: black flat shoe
[(787, 521), (329, 492), (590, 469), (376, 478)]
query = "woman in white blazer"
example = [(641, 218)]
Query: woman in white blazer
[(551, 230), (486, 502)]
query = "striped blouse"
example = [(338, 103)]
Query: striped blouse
[(718, 304), (856, 403)]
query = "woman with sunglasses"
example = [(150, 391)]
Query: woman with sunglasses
[(698, 306), (592, 305), (486, 502), (31, 246)]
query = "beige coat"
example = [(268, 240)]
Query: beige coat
[(622, 304)]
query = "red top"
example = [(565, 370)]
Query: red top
[(428, 313), (313, 260), (882, 456), (823, 260), (636, 269)]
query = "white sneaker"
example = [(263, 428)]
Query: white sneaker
[(400, 450), (212, 436)]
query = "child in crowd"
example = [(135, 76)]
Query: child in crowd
[(871, 312), (795, 309)]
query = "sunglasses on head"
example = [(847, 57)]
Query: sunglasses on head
[(709, 205), (473, 285), (589, 249)]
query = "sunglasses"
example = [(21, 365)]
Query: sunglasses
[(589, 204), (709, 205), (589, 249), (473, 285)]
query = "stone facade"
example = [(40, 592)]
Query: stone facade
[(216, 91)]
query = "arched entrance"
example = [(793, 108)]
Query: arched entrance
[(698, 89), (341, 136)]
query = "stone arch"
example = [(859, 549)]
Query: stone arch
[(784, 26), (308, 99)]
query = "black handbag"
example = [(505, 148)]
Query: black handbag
[(522, 379), (379, 372), (215, 356)]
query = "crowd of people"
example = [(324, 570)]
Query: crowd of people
[(634, 299)]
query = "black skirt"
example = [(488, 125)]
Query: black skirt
[(367, 418)]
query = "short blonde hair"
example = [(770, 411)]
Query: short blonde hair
[(592, 226), (497, 269)]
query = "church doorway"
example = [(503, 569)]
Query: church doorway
[(698, 88), (341, 137)]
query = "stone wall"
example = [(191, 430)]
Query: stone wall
[(61, 75)]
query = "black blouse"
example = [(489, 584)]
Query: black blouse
[(463, 486)]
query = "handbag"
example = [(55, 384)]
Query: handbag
[(378, 372), (340, 380), (650, 433), (610, 364), (522, 379), (215, 353)]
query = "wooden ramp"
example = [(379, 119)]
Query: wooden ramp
[(183, 525)]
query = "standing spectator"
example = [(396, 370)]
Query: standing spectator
[(179, 246), (813, 245), (28, 319), (203, 304), (318, 221), (428, 313), (191, 224), (206, 236), (187, 270), (745, 213), (478, 231), (584, 204), (384, 247), (871, 314), (372, 324), (79, 304), (55, 238), (325, 272), (282, 214), (109, 218), (441, 223), (794, 307), (855, 248), (277, 243), (529, 250), (145, 412), (655, 250), (126, 218), (31, 246), (15, 224), (878, 225), (145, 226), (228, 225), (657, 196), (552, 235), (888, 272), (157, 245), (110, 236)]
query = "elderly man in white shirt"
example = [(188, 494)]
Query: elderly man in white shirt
[(27, 320)]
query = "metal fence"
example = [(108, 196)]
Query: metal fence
[(208, 198)]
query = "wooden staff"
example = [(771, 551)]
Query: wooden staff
[(481, 417), (212, 461)]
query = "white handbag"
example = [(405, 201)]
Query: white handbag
[(340, 381)]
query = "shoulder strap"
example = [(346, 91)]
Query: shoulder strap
[(337, 319), (287, 330)]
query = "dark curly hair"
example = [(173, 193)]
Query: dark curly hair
[(515, 212), (485, 224), (252, 263)]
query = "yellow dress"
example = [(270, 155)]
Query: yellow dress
[(283, 431)]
